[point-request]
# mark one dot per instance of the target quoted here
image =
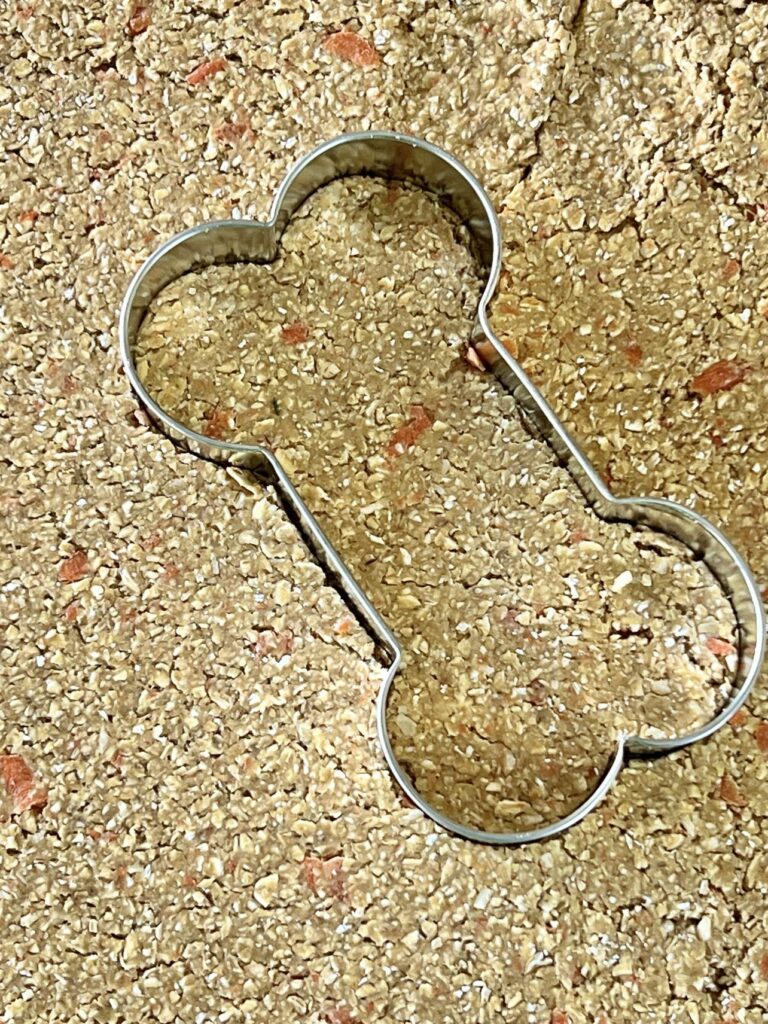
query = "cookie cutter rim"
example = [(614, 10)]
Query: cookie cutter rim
[(402, 157)]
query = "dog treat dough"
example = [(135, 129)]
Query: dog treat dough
[(534, 632), (196, 823)]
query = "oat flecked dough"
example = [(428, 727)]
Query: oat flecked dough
[(196, 822)]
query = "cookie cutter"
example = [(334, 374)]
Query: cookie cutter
[(402, 157)]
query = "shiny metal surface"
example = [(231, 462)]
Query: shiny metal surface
[(392, 155)]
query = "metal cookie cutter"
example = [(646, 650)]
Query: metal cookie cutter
[(392, 155)]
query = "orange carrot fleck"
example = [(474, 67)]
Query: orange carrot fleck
[(731, 269), (634, 353), (761, 737), (739, 719), (74, 568), (139, 21), (218, 423), (405, 437), (352, 47), (271, 644), (720, 647), (295, 333), (206, 70), (729, 792), (231, 131), (25, 791), (325, 873), (720, 376), (98, 834), (716, 438), (338, 1015)]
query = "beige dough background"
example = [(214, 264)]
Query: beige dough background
[(196, 823)]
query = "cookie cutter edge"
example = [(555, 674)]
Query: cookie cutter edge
[(403, 157)]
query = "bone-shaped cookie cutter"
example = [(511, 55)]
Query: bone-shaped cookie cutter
[(392, 155)]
